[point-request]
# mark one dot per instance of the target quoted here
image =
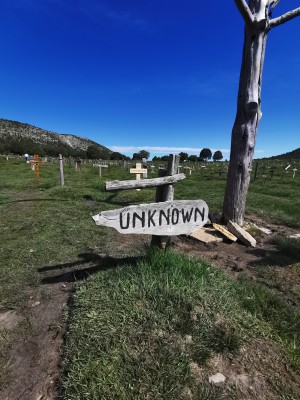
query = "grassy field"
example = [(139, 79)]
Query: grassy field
[(147, 325)]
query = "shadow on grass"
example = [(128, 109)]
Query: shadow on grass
[(34, 200), (286, 253), (110, 200), (73, 271)]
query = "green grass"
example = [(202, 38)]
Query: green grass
[(141, 328), (136, 331)]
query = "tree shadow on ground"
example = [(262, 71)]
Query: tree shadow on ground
[(287, 252), (89, 264), (35, 200), (110, 200)]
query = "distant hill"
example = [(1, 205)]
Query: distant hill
[(295, 154), (19, 138)]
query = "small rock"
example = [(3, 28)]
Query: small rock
[(295, 236), (217, 378), (37, 303), (237, 268), (188, 339), (31, 251)]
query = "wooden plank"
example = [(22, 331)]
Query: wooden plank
[(100, 165), (203, 236), (242, 235), (162, 219), (225, 232), (138, 170), (146, 183)]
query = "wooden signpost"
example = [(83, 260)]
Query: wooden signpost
[(162, 219), (166, 218)]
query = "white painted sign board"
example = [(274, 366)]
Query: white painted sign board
[(163, 219)]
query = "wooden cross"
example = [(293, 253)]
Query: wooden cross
[(138, 170), (35, 165), (100, 167), (294, 172)]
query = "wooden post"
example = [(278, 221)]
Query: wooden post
[(166, 193), (61, 170), (255, 173)]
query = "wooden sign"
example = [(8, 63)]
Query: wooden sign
[(165, 218)]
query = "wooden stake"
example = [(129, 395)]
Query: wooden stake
[(61, 170), (166, 193)]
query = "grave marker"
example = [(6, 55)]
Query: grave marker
[(35, 165), (138, 170), (165, 218), (100, 167)]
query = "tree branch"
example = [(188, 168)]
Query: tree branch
[(284, 18), (244, 10)]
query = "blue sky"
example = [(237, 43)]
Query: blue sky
[(158, 75)]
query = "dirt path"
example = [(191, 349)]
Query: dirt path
[(34, 357)]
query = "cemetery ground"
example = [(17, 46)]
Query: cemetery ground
[(88, 313)]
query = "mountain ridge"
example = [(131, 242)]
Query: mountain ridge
[(20, 137)]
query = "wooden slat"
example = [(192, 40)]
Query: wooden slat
[(142, 184)]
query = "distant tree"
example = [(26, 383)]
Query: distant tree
[(93, 151), (205, 154), (193, 158), (155, 158), (115, 155), (183, 156), (217, 155), (144, 154), (164, 158), (17, 147), (136, 156)]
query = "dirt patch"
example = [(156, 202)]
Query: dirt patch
[(9, 320), (34, 357), (234, 256)]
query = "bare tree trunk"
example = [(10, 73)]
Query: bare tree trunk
[(256, 14), (247, 117)]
